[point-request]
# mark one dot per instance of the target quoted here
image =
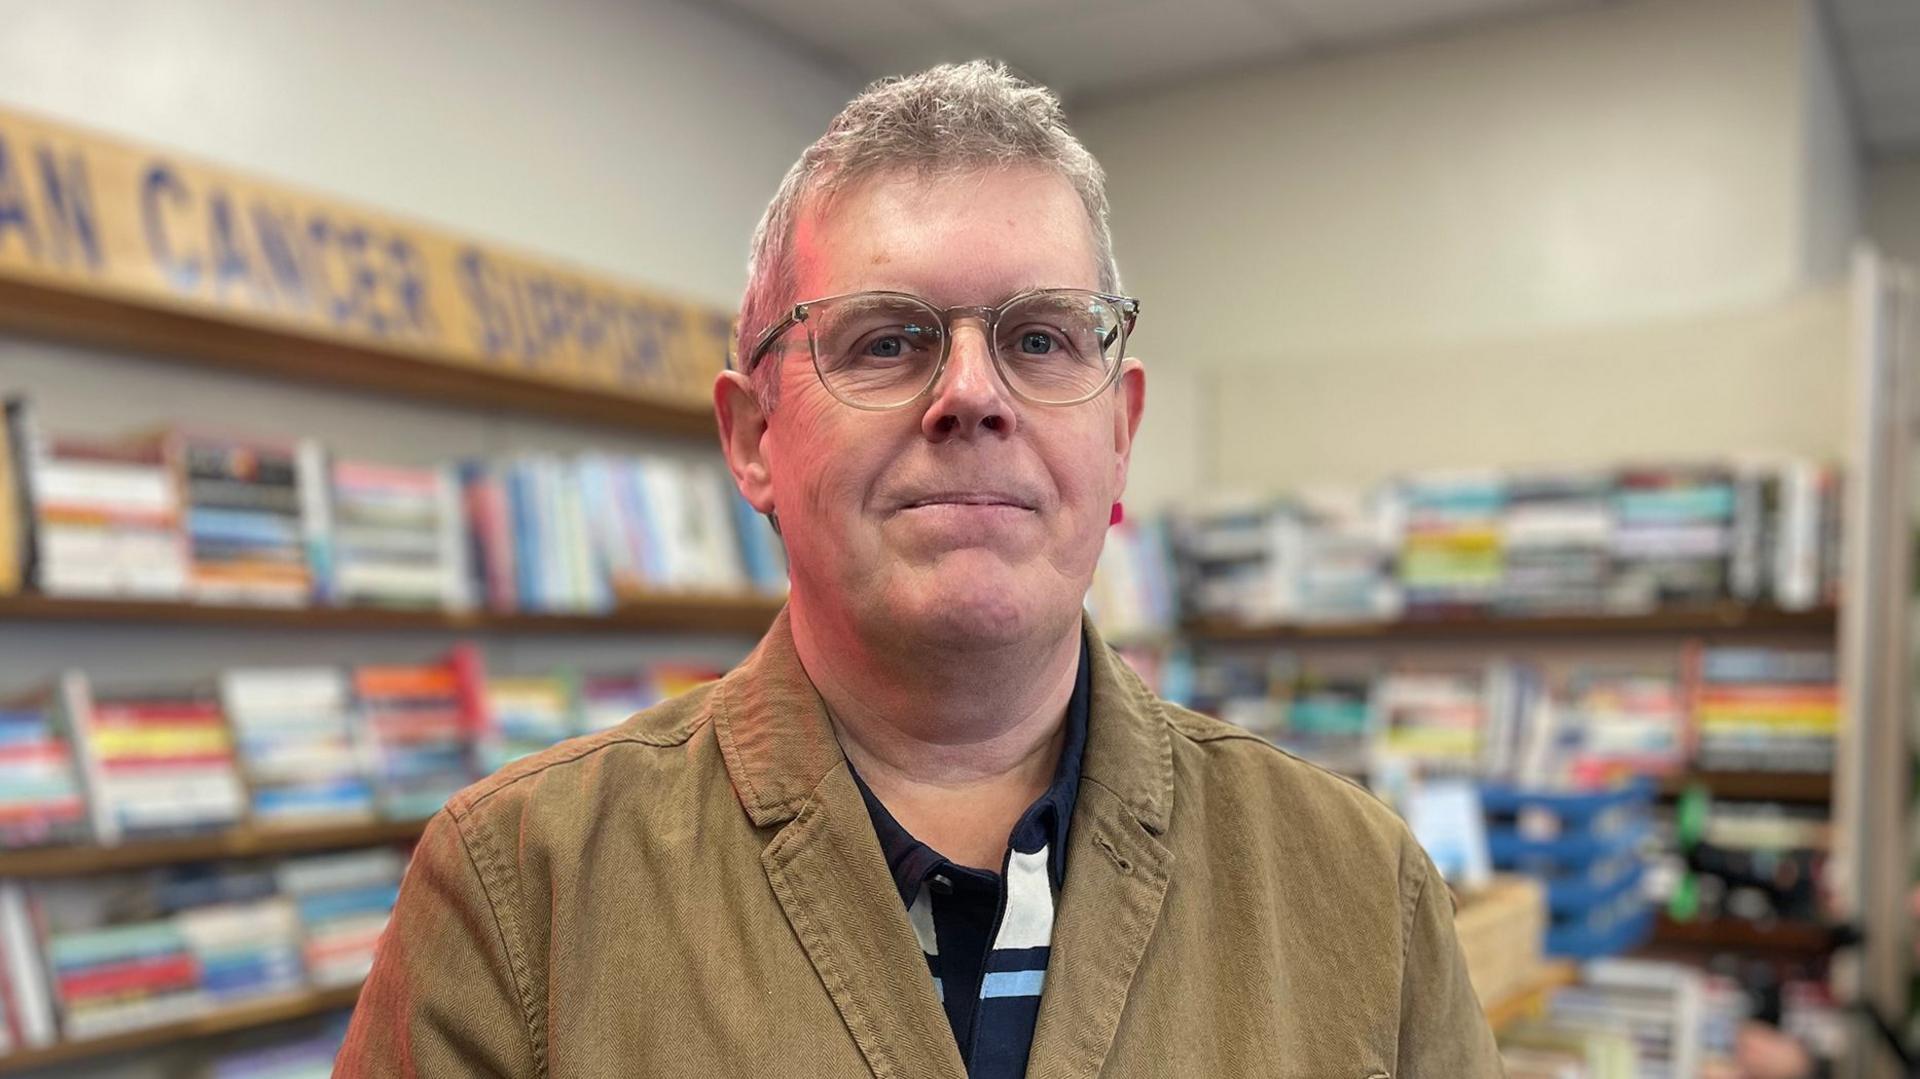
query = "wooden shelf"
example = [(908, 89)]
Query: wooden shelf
[(196, 338), (1721, 619), (1799, 788), (1739, 935), (691, 613), (225, 1021), (1531, 999), (243, 842)]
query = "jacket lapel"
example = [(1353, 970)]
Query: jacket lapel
[(1117, 873), (825, 865)]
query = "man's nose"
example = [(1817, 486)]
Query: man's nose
[(970, 398)]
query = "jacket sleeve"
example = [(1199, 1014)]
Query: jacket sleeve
[(1443, 1031), (444, 998)]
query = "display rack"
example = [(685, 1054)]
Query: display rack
[(258, 1013), (693, 613), (1727, 618)]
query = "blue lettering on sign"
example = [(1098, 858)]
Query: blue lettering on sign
[(13, 206), (410, 282), (474, 273), (230, 267), (534, 318), (69, 200), (160, 182), (277, 234)]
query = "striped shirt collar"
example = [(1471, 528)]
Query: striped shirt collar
[(1044, 823)]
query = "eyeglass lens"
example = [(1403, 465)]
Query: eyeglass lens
[(877, 350)]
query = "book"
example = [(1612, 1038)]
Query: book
[(343, 901), (523, 715), (155, 761), (247, 540), (299, 747), (42, 800), (419, 721), (105, 515)]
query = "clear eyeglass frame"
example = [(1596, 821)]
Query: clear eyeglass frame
[(1125, 308)]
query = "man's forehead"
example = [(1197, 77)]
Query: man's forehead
[(995, 231)]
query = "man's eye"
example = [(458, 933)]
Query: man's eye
[(1037, 343), (889, 347)]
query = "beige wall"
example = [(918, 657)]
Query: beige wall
[(1468, 221), (1764, 379)]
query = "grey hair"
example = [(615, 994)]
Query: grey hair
[(945, 120)]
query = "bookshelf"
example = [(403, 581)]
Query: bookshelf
[(279, 1009), (690, 613), (1728, 619), (211, 340), (1780, 939), (241, 842), (1797, 788)]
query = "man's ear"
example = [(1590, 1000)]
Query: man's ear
[(743, 437), (1131, 391)]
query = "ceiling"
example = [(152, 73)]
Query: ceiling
[(1093, 48), (1100, 48), (1879, 46)]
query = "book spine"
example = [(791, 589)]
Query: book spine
[(456, 571), (76, 703), (24, 445)]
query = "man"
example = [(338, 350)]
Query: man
[(932, 826)]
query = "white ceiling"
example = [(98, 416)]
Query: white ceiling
[(1095, 48), (1092, 48), (1879, 46)]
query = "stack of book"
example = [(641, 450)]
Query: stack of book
[(523, 715), (1450, 555), (1235, 563), (1328, 719), (1622, 722), (103, 518), (1658, 1007), (1765, 709), (1344, 548), (246, 949), (419, 720), (155, 761), (41, 800), (608, 700), (344, 901), (1133, 595), (1673, 539), (1557, 535), (244, 518), (1434, 718), (395, 537), (298, 744), (116, 955), (550, 534)]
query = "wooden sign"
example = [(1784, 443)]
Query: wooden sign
[(94, 217)]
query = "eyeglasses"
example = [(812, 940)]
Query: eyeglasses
[(882, 350)]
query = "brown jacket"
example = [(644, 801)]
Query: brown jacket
[(699, 892)]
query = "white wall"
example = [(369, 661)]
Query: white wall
[(638, 137), (1893, 208), (1352, 255)]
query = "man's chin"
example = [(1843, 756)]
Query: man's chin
[(967, 614)]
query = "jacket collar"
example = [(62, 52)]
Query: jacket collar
[(778, 743)]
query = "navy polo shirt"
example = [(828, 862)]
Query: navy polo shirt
[(987, 936)]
